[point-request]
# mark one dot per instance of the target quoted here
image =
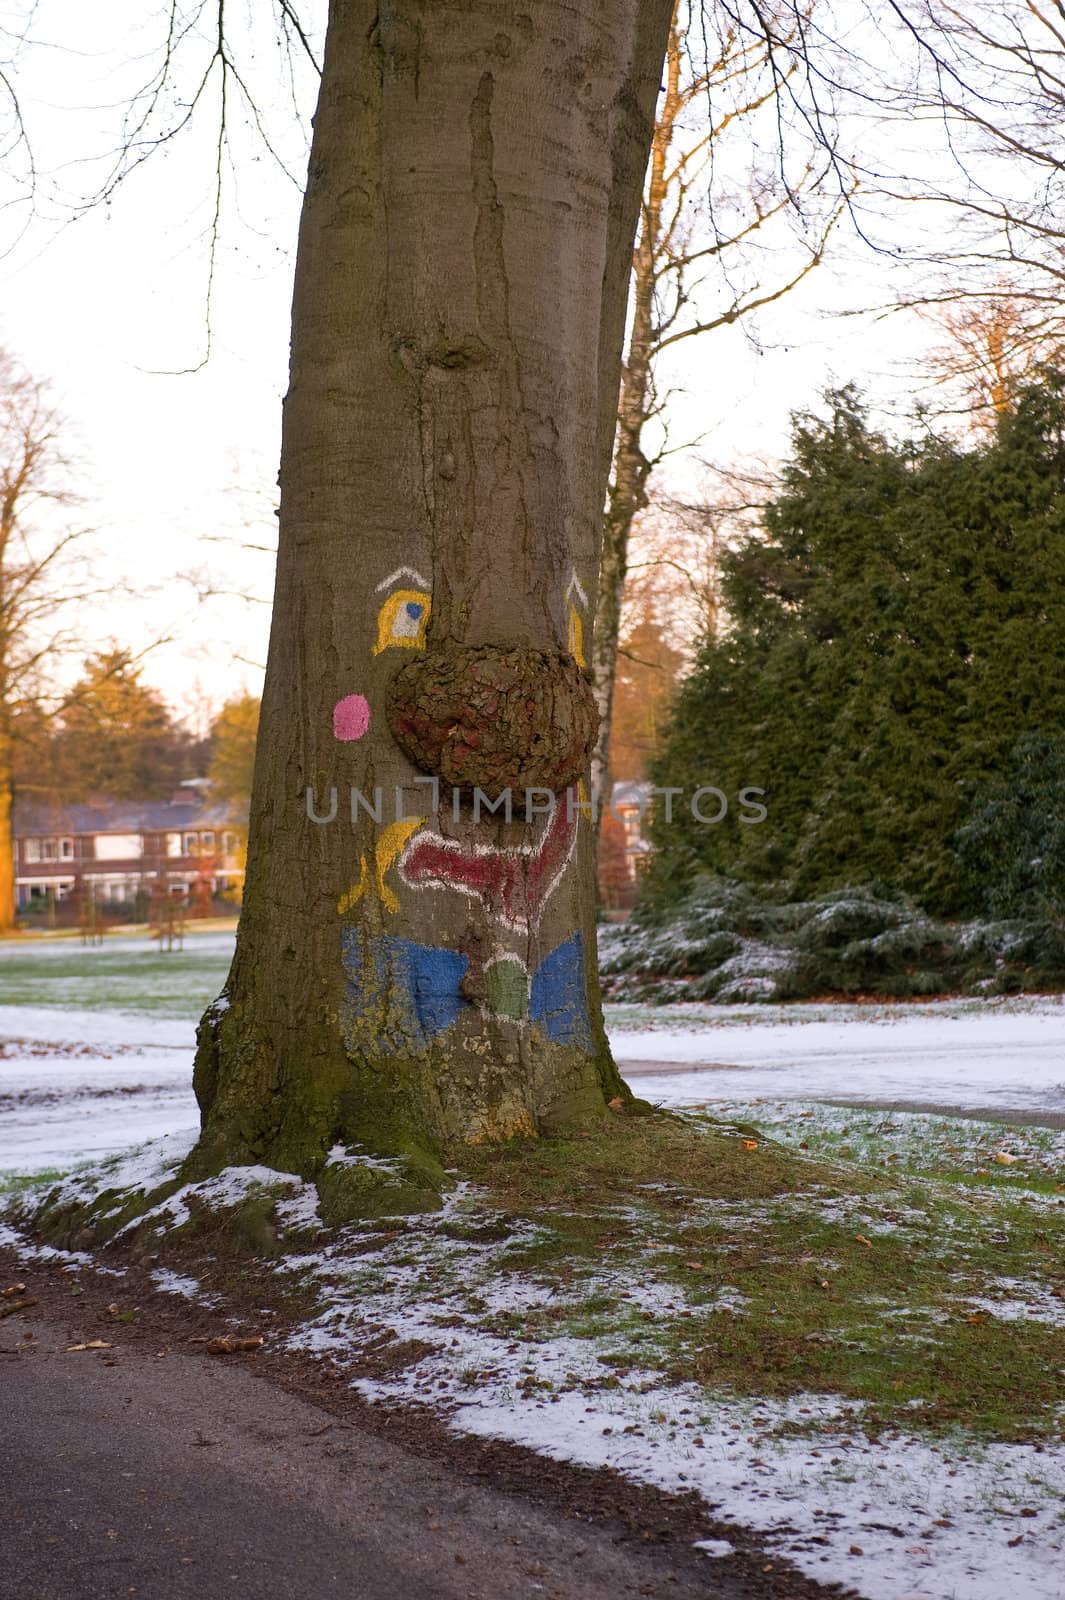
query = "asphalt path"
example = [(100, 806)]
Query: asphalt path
[(178, 1477)]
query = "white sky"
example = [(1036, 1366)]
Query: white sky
[(110, 306)]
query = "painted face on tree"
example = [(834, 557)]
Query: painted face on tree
[(472, 718)]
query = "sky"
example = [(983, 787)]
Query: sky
[(177, 466)]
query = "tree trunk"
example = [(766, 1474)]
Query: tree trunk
[(628, 488), (7, 834), (411, 974)]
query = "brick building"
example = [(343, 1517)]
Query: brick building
[(115, 852)]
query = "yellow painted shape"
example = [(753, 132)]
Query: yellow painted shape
[(389, 847), (576, 637), (395, 627), (356, 892)]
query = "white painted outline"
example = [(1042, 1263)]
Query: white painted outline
[(402, 572), (574, 585)]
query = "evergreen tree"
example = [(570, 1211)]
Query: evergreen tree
[(1013, 841), (895, 626)]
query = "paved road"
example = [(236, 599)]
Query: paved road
[(182, 1478)]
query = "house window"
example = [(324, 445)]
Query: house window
[(41, 850), (66, 849), (118, 846), (207, 840)]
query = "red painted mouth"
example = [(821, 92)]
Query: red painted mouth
[(514, 885)]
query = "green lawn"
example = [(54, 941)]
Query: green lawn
[(125, 974)]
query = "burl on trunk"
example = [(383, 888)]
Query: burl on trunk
[(413, 970)]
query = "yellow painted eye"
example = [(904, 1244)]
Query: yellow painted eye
[(576, 602), (402, 621)]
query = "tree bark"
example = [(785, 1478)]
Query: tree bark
[(7, 835), (423, 975)]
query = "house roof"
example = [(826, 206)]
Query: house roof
[(34, 817)]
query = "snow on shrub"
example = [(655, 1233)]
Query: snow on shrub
[(725, 942)]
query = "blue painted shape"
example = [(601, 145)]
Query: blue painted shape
[(433, 976), (414, 609), (558, 997), (406, 993)]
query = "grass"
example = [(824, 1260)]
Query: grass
[(774, 1272), (174, 984), (969, 1151), (13, 1184), (839, 1257)]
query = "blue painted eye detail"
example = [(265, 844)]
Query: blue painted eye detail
[(402, 620)]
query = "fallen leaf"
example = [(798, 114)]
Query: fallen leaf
[(617, 1104), (12, 1289), (93, 1344), (868, 1243), (979, 1316), (750, 1144), (1003, 1159), (18, 1305), (228, 1344), (694, 1266)]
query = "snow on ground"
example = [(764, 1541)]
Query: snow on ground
[(96, 1048), (897, 1518), (978, 1055), (79, 1084)]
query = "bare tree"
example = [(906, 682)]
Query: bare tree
[(997, 87), (961, 166), (40, 581), (985, 351), (704, 245)]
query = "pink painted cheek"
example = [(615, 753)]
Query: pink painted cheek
[(351, 716)]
